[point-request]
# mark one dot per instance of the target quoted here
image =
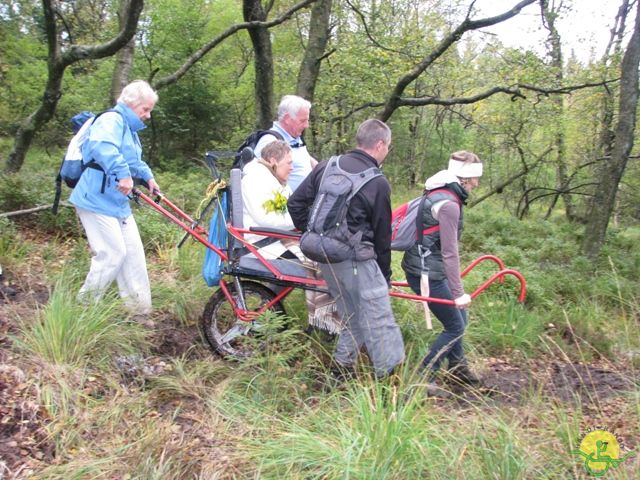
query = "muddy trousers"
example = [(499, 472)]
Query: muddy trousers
[(362, 298), (118, 255)]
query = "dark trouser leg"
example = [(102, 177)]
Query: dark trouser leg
[(454, 320)]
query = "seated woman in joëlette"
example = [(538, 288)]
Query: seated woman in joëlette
[(264, 197)]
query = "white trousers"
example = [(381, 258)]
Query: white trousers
[(118, 255)]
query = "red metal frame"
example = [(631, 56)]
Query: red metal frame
[(251, 315), (196, 233), (201, 235)]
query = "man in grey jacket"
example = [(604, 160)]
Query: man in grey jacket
[(361, 287)]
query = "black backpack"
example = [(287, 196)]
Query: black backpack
[(328, 239), (239, 160)]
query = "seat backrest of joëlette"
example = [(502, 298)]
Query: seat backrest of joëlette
[(235, 178)]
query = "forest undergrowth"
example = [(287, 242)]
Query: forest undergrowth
[(91, 393)]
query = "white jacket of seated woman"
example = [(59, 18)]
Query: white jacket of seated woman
[(259, 185)]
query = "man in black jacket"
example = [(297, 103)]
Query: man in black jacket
[(361, 287)]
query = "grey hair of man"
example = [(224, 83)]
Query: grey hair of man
[(292, 104), (137, 92), (370, 132)]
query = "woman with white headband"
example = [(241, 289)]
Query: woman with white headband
[(432, 265)]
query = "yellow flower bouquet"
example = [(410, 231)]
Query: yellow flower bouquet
[(277, 204)]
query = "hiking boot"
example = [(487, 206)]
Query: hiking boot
[(463, 375), (7, 292), (436, 389), (319, 334), (339, 375), (144, 320), (343, 373)]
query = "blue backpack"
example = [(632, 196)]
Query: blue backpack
[(72, 164)]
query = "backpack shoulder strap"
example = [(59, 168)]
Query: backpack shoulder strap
[(263, 133), (275, 133), (363, 178), (93, 122), (332, 162), (448, 192), (419, 228), (92, 163), (425, 197)]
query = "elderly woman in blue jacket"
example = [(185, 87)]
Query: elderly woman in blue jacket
[(101, 199)]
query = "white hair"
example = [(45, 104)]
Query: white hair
[(137, 92), (292, 104)]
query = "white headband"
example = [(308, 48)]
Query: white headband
[(465, 170)]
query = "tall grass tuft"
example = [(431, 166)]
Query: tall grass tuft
[(365, 432), (500, 453), (498, 324), (197, 380), (12, 246), (66, 332)]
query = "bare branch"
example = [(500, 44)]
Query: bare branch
[(500, 187), (368, 33), (32, 210), (357, 109), (516, 91), (80, 52), (66, 25), (327, 55), (392, 102), (206, 48), (57, 62), (549, 192)]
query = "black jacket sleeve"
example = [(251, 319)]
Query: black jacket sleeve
[(381, 226), (302, 199)]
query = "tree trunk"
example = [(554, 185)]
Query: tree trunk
[(29, 127), (213, 43), (319, 31), (124, 59), (549, 17), (261, 40), (607, 135), (605, 197), (58, 61)]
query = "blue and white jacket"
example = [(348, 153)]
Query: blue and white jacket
[(113, 144)]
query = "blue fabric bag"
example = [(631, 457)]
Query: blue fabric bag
[(212, 269)]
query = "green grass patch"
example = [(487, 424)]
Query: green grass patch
[(69, 332)]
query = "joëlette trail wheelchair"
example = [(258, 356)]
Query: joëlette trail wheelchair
[(249, 285)]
